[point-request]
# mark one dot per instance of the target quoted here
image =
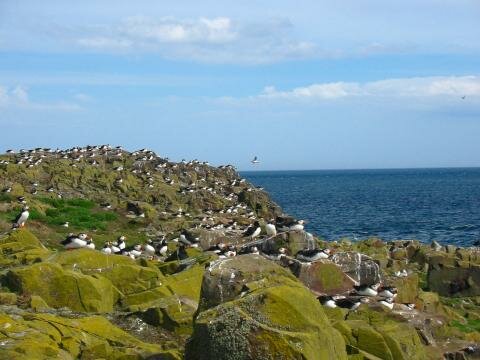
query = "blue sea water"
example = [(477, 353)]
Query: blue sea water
[(422, 204)]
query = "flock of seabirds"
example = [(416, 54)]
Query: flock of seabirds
[(158, 248)]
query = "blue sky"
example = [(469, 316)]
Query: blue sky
[(303, 85)]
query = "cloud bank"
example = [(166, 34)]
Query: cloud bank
[(457, 86), (215, 39), (17, 97)]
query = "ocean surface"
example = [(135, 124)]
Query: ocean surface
[(423, 204)]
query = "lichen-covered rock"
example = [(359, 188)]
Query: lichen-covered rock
[(460, 280), (26, 336), (21, 247), (407, 289), (375, 333), (325, 278), (260, 312), (225, 279), (63, 288), (361, 268)]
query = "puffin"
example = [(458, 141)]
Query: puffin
[(121, 242), (162, 248), (115, 249), (388, 303), (365, 290), (298, 226), (218, 249), (90, 244), (187, 239), (348, 303), (313, 255), (75, 241), (328, 301), (253, 230), (148, 248), (179, 254), (387, 291), (106, 249), (22, 218), (271, 229), (136, 251)]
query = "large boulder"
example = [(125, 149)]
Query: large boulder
[(361, 268), (63, 288), (460, 280), (375, 333), (21, 247), (44, 336), (252, 308), (325, 278)]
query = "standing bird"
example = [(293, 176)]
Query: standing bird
[(271, 229), (162, 248), (255, 160), (298, 226), (148, 248), (253, 230), (121, 242), (22, 218)]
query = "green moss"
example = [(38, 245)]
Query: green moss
[(63, 288), (468, 326)]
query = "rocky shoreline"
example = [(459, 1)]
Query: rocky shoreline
[(224, 295)]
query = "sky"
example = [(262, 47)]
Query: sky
[(302, 85)]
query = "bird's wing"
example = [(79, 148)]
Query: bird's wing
[(17, 219)]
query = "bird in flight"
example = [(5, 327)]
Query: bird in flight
[(463, 97), (255, 160)]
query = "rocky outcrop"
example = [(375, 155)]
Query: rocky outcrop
[(254, 309), (63, 288), (27, 335), (359, 267), (325, 278)]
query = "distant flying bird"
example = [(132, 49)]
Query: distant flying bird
[(463, 97), (255, 160)]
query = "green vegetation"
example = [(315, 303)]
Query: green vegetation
[(470, 325), (79, 213)]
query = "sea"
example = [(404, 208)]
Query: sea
[(397, 204)]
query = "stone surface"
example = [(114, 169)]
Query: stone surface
[(63, 288), (325, 278), (261, 312), (359, 267)]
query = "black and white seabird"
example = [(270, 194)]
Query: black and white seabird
[(348, 303), (21, 218), (255, 160), (75, 241), (367, 290), (187, 239), (106, 249), (313, 255), (328, 301), (162, 248), (387, 302), (179, 254), (387, 291), (270, 229), (253, 230), (148, 248)]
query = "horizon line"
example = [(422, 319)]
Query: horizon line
[(363, 169)]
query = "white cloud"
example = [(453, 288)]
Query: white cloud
[(17, 97), (216, 39), (407, 87)]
